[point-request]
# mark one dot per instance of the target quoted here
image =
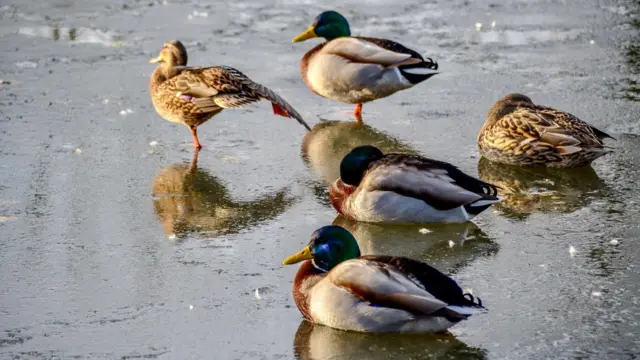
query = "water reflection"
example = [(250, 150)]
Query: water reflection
[(190, 200), (317, 342), (448, 247), (631, 52), (329, 141), (529, 190), (632, 60), (78, 35)]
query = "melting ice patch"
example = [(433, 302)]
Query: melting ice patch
[(78, 35)]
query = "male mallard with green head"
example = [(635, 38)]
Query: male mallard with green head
[(337, 287), (193, 95), (403, 188), (356, 70), (519, 132)]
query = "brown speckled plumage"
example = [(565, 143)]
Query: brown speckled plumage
[(518, 132), (193, 95)]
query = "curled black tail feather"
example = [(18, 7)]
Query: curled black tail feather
[(476, 301), (412, 73)]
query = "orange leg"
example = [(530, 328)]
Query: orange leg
[(194, 133), (358, 113)]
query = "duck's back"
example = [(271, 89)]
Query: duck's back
[(534, 135)]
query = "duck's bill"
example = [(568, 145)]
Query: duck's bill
[(304, 254), (155, 60), (307, 34)]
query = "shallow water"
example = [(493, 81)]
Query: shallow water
[(114, 245)]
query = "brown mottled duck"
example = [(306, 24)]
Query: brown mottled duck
[(519, 132), (193, 95)]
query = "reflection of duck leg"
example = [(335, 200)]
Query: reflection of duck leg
[(194, 162), (357, 112)]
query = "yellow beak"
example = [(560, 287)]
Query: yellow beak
[(304, 254), (156, 59), (307, 34)]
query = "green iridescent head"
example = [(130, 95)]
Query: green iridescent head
[(328, 25), (329, 246), (356, 163)]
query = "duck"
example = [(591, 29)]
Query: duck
[(357, 70), (406, 189), (519, 132), (337, 287), (193, 95)]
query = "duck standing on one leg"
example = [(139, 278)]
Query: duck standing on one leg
[(410, 189), (193, 95), (356, 70), (337, 287), (518, 132)]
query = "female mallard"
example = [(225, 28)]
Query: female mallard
[(193, 95), (356, 70), (518, 132), (402, 188), (339, 288)]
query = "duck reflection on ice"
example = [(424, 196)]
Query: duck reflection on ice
[(447, 247), (329, 141), (189, 200), (317, 342), (529, 190)]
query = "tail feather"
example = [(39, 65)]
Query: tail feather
[(481, 205), (466, 310), (471, 305), (417, 73), (487, 201), (280, 106)]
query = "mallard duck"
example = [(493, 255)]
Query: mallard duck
[(193, 95), (518, 132), (403, 188), (339, 288), (356, 70)]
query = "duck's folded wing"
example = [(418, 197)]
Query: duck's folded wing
[(359, 50), (439, 184), (542, 130), (190, 86), (222, 86), (430, 279), (394, 46), (226, 87), (586, 132), (382, 285)]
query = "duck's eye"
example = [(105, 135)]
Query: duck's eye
[(325, 248)]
